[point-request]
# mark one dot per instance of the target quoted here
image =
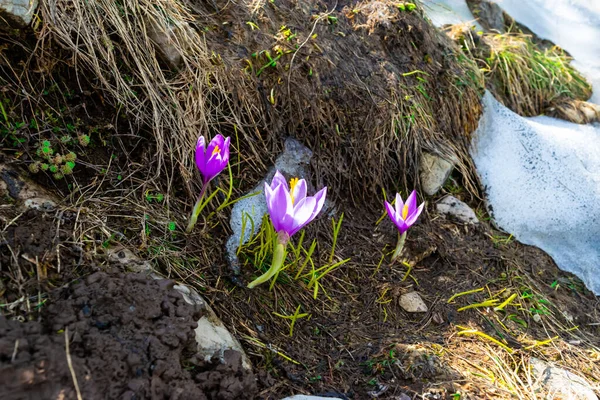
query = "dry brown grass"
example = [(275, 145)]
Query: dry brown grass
[(339, 84)]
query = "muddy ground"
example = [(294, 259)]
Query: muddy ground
[(131, 337), (102, 335)]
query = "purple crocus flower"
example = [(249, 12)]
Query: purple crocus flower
[(289, 207), (213, 159), (290, 210), (405, 214)]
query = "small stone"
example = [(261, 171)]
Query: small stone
[(562, 383), (125, 257), (434, 171), (413, 303), (18, 13), (537, 318), (455, 208), (39, 204)]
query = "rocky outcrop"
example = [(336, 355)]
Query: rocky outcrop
[(17, 13), (489, 14)]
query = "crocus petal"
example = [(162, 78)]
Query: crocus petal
[(216, 141), (209, 162), (279, 205), (225, 152), (279, 179), (303, 213), (200, 150), (412, 218), (391, 211), (411, 202), (402, 226), (299, 191), (399, 204), (320, 197), (210, 169), (396, 219)]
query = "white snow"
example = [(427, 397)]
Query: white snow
[(542, 175), (442, 12), (542, 180)]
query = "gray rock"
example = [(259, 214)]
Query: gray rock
[(292, 162), (413, 303), (455, 208), (561, 383), (40, 204), (489, 14), (17, 13), (212, 336), (126, 258), (25, 193), (165, 40), (434, 171)]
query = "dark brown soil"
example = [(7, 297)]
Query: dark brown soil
[(359, 341), (130, 337)]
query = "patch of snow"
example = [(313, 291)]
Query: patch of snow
[(442, 12), (542, 180)]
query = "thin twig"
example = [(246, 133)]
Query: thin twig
[(71, 364)]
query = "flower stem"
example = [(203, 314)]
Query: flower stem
[(196, 210), (278, 257), (399, 246)]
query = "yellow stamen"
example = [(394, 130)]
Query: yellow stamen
[(293, 183), (217, 150), (405, 211)]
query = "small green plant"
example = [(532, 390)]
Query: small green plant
[(406, 6), (293, 318), (84, 140), (157, 197), (58, 165), (258, 252)]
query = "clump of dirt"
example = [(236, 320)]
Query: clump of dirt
[(130, 337), (37, 255)]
